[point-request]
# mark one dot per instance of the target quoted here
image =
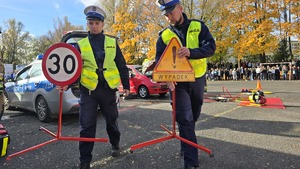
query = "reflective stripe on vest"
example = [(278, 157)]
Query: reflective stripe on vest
[(89, 77), (111, 74), (192, 42)]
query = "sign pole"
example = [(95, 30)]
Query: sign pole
[(174, 111), (172, 134), (60, 114), (62, 66), (181, 72)]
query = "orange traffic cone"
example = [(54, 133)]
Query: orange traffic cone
[(258, 85)]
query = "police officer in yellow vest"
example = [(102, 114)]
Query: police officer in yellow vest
[(104, 67), (198, 44)]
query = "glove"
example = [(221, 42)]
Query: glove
[(62, 88), (117, 96)]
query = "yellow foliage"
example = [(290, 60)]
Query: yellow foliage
[(246, 26)]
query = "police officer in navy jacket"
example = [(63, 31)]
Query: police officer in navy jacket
[(197, 45), (104, 67)]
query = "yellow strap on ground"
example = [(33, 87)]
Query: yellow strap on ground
[(4, 146)]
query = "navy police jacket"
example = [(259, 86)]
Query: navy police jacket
[(207, 43)]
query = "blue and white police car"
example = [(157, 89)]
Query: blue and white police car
[(30, 90)]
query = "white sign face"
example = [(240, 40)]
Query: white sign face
[(62, 64)]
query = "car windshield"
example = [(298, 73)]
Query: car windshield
[(36, 70), (139, 68), (23, 74), (74, 40)]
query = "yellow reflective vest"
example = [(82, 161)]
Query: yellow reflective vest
[(89, 77), (192, 42)]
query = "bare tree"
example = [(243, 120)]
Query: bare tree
[(61, 27), (42, 43)]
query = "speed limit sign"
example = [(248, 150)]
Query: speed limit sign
[(62, 64)]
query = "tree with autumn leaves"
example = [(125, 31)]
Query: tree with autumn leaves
[(136, 26), (255, 27), (241, 28)]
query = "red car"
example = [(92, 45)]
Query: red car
[(142, 84)]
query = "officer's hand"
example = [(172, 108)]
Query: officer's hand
[(126, 93), (62, 88), (171, 85), (183, 52)]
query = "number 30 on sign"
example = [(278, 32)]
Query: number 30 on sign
[(62, 64)]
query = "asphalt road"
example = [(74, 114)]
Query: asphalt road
[(239, 137)]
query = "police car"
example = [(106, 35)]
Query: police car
[(30, 90)]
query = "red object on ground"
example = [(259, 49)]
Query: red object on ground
[(58, 135), (273, 103), (172, 134)]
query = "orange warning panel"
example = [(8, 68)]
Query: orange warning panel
[(171, 68)]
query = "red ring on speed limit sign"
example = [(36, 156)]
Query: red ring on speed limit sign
[(62, 64)]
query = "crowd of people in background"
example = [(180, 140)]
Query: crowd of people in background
[(253, 71)]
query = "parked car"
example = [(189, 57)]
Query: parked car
[(142, 84), (30, 90)]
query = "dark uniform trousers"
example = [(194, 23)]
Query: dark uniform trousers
[(189, 100), (105, 98)]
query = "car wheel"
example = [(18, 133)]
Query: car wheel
[(42, 110), (7, 105), (162, 94), (143, 92)]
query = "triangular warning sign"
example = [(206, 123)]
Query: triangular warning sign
[(169, 60), (172, 68)]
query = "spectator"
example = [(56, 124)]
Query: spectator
[(234, 75), (258, 72), (284, 72), (277, 72)]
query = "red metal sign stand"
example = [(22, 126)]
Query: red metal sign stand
[(172, 134), (57, 136)]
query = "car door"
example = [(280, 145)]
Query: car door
[(32, 84), (15, 92), (133, 79), (135, 76)]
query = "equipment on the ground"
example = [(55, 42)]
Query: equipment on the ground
[(4, 140), (258, 97)]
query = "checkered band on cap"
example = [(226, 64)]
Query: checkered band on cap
[(167, 6), (166, 3), (94, 12)]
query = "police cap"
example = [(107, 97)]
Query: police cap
[(93, 12), (167, 6)]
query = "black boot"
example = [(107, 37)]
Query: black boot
[(85, 166), (186, 166), (115, 151)]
